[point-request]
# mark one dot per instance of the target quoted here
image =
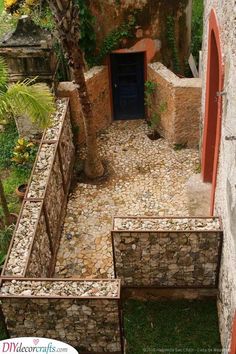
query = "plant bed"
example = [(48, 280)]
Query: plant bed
[(154, 135), (171, 326)]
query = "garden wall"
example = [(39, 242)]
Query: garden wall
[(82, 313), (168, 252), (37, 233), (182, 101), (97, 80)]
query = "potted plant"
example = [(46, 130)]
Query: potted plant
[(27, 97), (24, 154)]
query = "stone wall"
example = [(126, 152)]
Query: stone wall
[(82, 313), (182, 100), (97, 80), (151, 22), (37, 233), (155, 252), (226, 180)]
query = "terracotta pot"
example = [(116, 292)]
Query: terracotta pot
[(20, 191), (13, 218)]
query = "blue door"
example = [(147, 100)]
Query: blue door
[(127, 71)]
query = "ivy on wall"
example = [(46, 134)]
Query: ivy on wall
[(113, 39), (87, 32), (171, 41), (197, 28)]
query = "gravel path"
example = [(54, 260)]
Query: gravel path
[(146, 178)]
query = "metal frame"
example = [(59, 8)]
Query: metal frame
[(78, 280), (43, 209), (142, 232)]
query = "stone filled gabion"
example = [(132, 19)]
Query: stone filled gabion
[(23, 238), (86, 288), (170, 224), (46, 153), (41, 171), (53, 131), (28, 223)]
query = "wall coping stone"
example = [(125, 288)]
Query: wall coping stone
[(166, 224), (173, 79), (61, 288)]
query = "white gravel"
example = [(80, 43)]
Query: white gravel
[(84, 288), (23, 238), (53, 131), (170, 224)]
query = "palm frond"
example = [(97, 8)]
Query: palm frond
[(35, 101), (3, 74), (5, 107)]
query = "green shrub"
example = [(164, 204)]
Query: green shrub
[(197, 28), (8, 140)]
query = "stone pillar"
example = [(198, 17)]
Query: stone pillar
[(69, 89)]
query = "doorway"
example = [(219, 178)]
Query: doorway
[(127, 79), (213, 108)]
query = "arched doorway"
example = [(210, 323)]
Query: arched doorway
[(213, 108)]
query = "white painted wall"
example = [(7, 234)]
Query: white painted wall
[(226, 181)]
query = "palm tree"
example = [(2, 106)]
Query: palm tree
[(66, 15), (27, 97)]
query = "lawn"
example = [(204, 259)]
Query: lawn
[(171, 326), (1, 5), (12, 175)]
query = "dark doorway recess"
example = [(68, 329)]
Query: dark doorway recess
[(127, 77)]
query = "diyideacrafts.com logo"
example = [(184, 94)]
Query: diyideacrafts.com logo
[(35, 345)]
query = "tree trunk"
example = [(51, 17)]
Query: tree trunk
[(7, 216), (66, 16)]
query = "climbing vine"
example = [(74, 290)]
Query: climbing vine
[(113, 39), (197, 28), (171, 41), (87, 32), (154, 111)]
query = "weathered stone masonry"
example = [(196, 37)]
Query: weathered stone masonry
[(97, 80), (149, 253), (83, 313), (182, 98)]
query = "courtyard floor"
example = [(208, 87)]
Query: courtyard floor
[(144, 178)]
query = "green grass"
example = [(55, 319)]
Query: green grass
[(8, 139), (3, 334), (11, 174), (1, 5), (152, 327)]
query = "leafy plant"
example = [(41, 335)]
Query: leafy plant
[(27, 97), (5, 238), (8, 140), (154, 110), (41, 15), (171, 41), (87, 32), (197, 28), (113, 39), (180, 146), (24, 152)]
